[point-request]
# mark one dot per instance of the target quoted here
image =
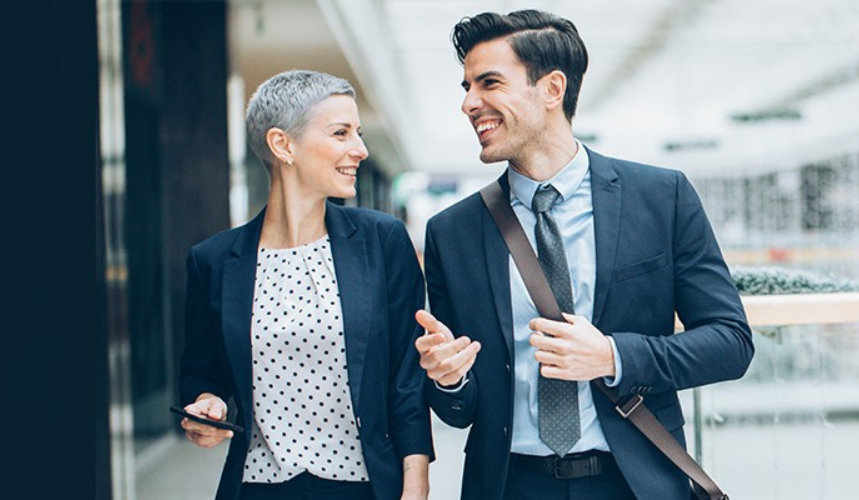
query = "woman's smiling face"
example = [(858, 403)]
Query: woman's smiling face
[(329, 149)]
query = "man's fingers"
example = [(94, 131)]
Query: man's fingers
[(553, 328), (547, 343), (449, 349), (454, 368), (424, 343), (572, 318), (464, 357), (439, 352), (427, 320), (458, 364), (446, 359), (549, 371), (547, 358), (432, 325)]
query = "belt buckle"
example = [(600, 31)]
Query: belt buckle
[(574, 468)]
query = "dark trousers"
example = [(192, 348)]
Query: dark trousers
[(306, 486), (524, 483)]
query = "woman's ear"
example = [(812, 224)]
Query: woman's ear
[(281, 145), (555, 86)]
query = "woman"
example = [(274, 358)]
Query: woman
[(304, 317)]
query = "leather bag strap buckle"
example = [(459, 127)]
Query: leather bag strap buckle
[(629, 405)]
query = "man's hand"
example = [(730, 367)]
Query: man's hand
[(213, 408), (445, 358), (575, 350)]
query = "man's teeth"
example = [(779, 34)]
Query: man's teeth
[(483, 127), (348, 170)]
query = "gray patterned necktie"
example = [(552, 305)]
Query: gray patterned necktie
[(558, 400)]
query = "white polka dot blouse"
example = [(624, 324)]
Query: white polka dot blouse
[(303, 418)]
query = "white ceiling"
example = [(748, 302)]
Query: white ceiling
[(662, 72), (270, 36)]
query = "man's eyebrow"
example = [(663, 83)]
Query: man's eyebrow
[(482, 76)]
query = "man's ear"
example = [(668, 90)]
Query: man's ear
[(554, 85), (281, 145)]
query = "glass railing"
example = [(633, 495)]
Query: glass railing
[(789, 429)]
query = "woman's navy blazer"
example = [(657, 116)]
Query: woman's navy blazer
[(381, 287)]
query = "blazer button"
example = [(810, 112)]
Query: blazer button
[(508, 367), (387, 436), (455, 407), (505, 431)]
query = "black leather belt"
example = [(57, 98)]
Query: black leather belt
[(572, 466)]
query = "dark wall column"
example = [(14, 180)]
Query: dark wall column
[(52, 325)]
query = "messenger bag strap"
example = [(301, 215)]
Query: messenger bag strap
[(631, 408)]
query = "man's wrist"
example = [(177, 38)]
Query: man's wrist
[(615, 370), (611, 370)]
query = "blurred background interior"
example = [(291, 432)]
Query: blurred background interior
[(755, 100)]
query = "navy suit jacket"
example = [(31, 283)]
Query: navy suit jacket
[(656, 254), (381, 287)]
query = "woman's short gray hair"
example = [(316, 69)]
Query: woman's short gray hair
[(285, 101)]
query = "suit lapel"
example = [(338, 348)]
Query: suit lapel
[(351, 266), (498, 269), (606, 198), (237, 290)]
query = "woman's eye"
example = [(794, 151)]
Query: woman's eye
[(341, 133)]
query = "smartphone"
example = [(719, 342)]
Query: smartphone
[(219, 424)]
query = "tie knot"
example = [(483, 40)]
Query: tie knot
[(544, 198)]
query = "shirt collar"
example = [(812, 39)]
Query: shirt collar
[(566, 181)]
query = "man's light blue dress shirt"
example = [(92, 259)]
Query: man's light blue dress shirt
[(573, 213)]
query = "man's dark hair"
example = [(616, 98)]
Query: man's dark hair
[(543, 42)]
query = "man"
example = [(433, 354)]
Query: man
[(624, 246)]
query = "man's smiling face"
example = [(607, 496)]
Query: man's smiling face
[(503, 107)]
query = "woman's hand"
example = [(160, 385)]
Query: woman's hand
[(212, 407), (415, 477)]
